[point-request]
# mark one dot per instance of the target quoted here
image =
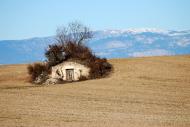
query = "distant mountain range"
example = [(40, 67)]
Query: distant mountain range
[(106, 43)]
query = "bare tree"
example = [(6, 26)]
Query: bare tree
[(70, 41), (74, 32)]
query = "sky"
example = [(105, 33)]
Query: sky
[(21, 19)]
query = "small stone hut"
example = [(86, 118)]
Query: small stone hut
[(70, 70)]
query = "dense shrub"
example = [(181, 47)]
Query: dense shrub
[(38, 72), (74, 50), (99, 68), (82, 78), (58, 53)]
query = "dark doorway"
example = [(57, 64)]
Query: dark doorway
[(69, 74)]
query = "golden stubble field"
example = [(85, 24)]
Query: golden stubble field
[(141, 92)]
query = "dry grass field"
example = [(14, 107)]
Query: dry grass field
[(141, 92)]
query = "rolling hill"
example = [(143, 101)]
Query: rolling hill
[(145, 92)]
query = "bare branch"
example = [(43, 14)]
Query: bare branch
[(74, 32)]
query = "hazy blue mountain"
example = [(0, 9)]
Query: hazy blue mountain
[(107, 43), (23, 51)]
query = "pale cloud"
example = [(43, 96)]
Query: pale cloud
[(117, 44), (145, 39), (183, 42)]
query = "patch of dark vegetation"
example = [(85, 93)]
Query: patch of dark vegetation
[(38, 72), (82, 78), (70, 45)]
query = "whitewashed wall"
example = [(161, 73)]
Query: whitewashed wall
[(79, 70)]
